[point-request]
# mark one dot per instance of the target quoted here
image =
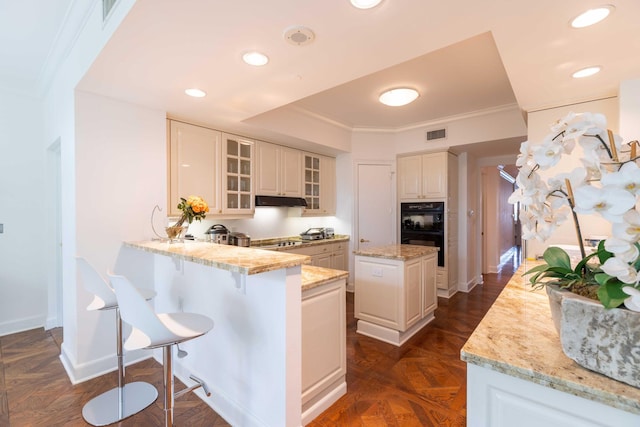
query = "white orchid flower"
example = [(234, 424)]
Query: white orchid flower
[(547, 154), (622, 249), (561, 124), (627, 178), (620, 269), (610, 202), (525, 154), (629, 228), (633, 302)]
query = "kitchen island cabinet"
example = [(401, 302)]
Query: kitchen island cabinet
[(395, 291), (517, 373), (277, 353), (324, 339)]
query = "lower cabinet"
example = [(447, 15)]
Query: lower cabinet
[(324, 340), (499, 400), (394, 298), (329, 255)]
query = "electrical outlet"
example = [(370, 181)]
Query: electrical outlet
[(376, 271), (180, 304), (1, 228)]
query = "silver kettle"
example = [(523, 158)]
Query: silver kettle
[(218, 233)]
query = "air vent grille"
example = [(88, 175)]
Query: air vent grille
[(437, 134), (107, 5)]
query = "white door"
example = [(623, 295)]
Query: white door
[(376, 219)]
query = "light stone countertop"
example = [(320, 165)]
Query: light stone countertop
[(256, 244), (517, 338), (398, 252), (232, 258), (313, 276)]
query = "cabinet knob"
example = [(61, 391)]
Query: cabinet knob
[(364, 240)]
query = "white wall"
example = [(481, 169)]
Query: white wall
[(630, 110), (60, 126), (539, 123), (23, 290), (120, 176)]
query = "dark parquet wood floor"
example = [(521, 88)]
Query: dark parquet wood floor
[(422, 383)]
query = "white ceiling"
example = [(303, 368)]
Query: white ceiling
[(465, 56)]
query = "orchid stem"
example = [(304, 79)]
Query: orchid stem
[(570, 199)]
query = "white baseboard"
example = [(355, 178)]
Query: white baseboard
[(447, 293), (388, 335), (81, 372), (468, 287), (327, 400), (21, 325)]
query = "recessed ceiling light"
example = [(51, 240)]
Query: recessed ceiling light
[(592, 16), (399, 96), (255, 58), (365, 4), (586, 72), (196, 93)]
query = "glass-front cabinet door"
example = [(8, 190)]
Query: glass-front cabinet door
[(237, 179), (312, 182)]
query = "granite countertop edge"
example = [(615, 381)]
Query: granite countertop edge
[(517, 338), (241, 260), (397, 252)]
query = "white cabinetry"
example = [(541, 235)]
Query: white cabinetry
[(329, 255), (278, 171), (434, 176), (194, 157), (499, 400), (210, 164), (394, 299), (319, 182), (237, 177), (324, 354), (423, 176)]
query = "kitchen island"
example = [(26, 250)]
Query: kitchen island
[(517, 373), (395, 291), (252, 358)]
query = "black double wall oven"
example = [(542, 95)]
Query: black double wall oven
[(423, 224)]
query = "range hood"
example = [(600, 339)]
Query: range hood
[(280, 201)]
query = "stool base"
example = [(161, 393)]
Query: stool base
[(105, 408)]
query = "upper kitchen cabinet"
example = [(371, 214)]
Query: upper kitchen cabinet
[(194, 153), (426, 176), (319, 182), (237, 175), (278, 170)]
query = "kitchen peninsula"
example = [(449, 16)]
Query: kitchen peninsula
[(252, 360), (395, 291), (517, 373)]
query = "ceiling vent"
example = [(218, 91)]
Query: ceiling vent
[(437, 134), (299, 36), (107, 5)]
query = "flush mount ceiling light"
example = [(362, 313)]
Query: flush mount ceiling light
[(196, 93), (365, 4), (586, 72), (398, 97), (592, 16), (255, 58)]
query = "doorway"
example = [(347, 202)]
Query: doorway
[(54, 226), (375, 213)]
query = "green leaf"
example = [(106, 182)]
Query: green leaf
[(537, 268), (602, 278), (557, 257), (611, 294)]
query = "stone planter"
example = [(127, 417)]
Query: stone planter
[(604, 341)]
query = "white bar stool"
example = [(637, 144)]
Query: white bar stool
[(127, 399), (153, 330)]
